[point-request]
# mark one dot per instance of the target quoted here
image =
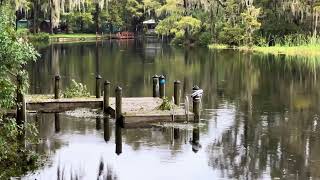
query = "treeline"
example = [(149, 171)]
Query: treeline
[(232, 22)]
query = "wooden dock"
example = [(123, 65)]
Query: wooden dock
[(135, 110)]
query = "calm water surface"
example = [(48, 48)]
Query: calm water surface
[(260, 117)]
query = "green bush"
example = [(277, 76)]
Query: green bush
[(205, 38), (178, 40), (166, 104), (14, 157), (40, 37), (232, 36), (76, 90), (23, 32)]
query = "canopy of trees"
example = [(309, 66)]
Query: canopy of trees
[(234, 22)]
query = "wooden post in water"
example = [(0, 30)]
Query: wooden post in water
[(98, 85), (21, 102), (177, 92), (106, 96), (57, 86), (118, 103), (196, 105), (155, 87), (162, 83)]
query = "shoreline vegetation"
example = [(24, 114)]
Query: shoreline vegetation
[(291, 45), (299, 50)]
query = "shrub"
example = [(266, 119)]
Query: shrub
[(205, 39), (231, 35), (76, 90), (14, 157), (166, 104), (40, 37), (23, 32)]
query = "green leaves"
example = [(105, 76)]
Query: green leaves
[(76, 90), (15, 52)]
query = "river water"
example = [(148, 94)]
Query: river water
[(260, 115)]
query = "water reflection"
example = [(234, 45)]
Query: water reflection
[(195, 140), (98, 123), (106, 128), (57, 122), (260, 118), (118, 140)]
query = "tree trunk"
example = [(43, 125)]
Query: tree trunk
[(35, 17), (51, 13), (17, 19), (96, 18)]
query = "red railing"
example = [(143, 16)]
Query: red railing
[(125, 35)]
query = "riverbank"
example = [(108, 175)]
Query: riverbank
[(303, 50), (77, 37)]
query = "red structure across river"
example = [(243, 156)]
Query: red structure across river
[(125, 35)]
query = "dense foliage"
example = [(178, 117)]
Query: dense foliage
[(232, 22), (15, 52)]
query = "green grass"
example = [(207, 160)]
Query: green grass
[(218, 46), (73, 35), (301, 50)]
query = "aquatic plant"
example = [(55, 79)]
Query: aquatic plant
[(166, 104), (76, 90)]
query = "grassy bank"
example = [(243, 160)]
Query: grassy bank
[(301, 50), (305, 50), (78, 35)]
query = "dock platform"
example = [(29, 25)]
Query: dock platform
[(135, 110)]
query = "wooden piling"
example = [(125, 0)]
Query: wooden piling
[(162, 85), (118, 103), (57, 86), (155, 87), (196, 105), (98, 85), (177, 93), (21, 102), (106, 96)]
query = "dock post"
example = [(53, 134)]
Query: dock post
[(21, 102), (98, 92), (118, 102), (106, 96), (177, 92), (155, 80), (57, 86), (162, 83), (196, 105)]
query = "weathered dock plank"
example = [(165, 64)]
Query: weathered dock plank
[(136, 110)]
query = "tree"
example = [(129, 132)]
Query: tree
[(250, 22), (15, 52)]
